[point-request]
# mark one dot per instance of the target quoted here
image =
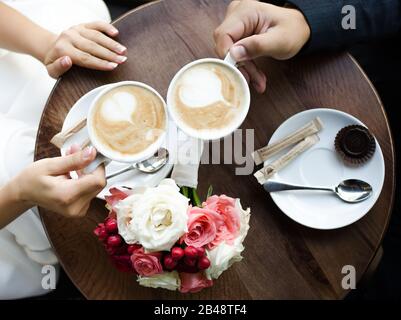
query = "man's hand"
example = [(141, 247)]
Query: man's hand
[(253, 29), (87, 45)]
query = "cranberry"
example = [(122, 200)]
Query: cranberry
[(201, 251), (169, 262), (191, 252), (132, 248), (102, 234), (190, 262), (114, 241), (177, 253), (111, 225), (203, 263)]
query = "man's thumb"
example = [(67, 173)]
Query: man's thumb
[(72, 162), (59, 66), (253, 47)]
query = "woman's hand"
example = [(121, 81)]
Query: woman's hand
[(253, 29), (87, 45), (47, 183)]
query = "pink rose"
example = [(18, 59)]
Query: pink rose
[(203, 225), (228, 211), (194, 282), (146, 264)]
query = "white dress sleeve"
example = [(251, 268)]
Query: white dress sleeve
[(24, 89)]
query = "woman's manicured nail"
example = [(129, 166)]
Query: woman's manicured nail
[(112, 65), (121, 49), (65, 62), (238, 52), (121, 59), (113, 31), (87, 153)]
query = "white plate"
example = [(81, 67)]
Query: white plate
[(321, 166), (129, 179)]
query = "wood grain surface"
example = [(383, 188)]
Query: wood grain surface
[(282, 260)]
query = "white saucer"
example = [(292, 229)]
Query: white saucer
[(129, 179), (321, 166)]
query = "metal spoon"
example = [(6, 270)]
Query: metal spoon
[(350, 191), (151, 165)]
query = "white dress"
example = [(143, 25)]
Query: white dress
[(24, 89)]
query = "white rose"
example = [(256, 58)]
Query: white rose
[(165, 280), (224, 255), (154, 217)]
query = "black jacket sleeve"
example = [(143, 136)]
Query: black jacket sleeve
[(374, 19)]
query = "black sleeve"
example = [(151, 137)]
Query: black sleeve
[(374, 19)]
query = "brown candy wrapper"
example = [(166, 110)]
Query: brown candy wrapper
[(355, 144)]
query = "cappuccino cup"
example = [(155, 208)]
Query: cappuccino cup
[(126, 122), (208, 98)]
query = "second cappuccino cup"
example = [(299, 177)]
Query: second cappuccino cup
[(208, 98)]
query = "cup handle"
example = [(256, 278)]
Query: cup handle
[(100, 159), (230, 60)]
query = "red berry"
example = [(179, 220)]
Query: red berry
[(169, 262), (111, 225), (191, 252), (102, 234), (177, 253), (201, 251), (133, 247), (114, 241), (190, 262), (203, 263), (181, 267)]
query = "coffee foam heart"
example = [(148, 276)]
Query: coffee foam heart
[(199, 87), (119, 107)]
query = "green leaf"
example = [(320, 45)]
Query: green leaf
[(197, 202), (184, 191), (209, 191)]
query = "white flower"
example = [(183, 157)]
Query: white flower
[(165, 280), (224, 255), (154, 217)]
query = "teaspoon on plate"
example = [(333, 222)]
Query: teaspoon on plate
[(151, 165), (351, 191)]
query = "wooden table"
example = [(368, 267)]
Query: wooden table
[(282, 258)]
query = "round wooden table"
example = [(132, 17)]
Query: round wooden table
[(282, 260)]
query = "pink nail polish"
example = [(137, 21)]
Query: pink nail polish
[(121, 59), (65, 62), (87, 152), (121, 49), (112, 65)]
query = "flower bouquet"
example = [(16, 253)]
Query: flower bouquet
[(157, 234)]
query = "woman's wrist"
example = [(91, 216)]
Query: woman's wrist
[(12, 203), (17, 192), (44, 40)]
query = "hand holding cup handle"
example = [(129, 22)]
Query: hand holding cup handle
[(230, 60), (99, 160)]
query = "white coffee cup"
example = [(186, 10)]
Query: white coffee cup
[(221, 133), (105, 155)]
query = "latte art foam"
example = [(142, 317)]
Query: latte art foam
[(208, 96), (128, 119)]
